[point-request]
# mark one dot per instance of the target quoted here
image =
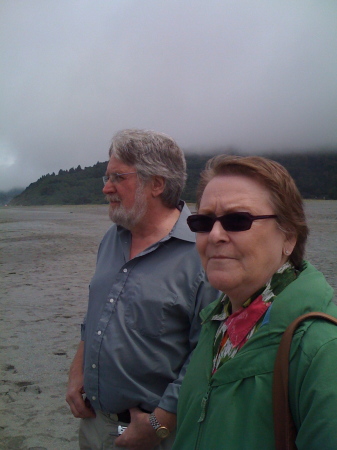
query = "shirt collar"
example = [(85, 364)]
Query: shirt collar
[(180, 229)]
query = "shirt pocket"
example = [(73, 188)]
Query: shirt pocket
[(148, 309)]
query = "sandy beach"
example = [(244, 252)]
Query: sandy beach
[(47, 259)]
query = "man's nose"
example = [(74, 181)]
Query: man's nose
[(109, 188)]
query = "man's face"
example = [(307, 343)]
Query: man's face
[(126, 195)]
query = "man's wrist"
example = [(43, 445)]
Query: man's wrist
[(161, 430)]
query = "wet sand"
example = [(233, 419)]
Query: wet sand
[(47, 257)]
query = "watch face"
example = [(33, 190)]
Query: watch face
[(162, 432)]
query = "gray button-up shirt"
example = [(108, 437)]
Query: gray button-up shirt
[(143, 320)]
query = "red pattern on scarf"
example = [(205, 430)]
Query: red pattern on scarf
[(242, 321)]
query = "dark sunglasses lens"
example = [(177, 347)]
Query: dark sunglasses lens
[(236, 222), (200, 223)]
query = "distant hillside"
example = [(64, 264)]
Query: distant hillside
[(6, 196), (69, 187), (314, 173)]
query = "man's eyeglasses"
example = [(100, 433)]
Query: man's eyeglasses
[(115, 177), (238, 221)]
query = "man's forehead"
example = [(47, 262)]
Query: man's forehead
[(116, 165)]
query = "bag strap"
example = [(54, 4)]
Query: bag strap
[(284, 426)]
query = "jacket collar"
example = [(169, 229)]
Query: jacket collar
[(310, 285)]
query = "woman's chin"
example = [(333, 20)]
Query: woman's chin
[(223, 283)]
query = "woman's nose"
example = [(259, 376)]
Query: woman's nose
[(217, 233)]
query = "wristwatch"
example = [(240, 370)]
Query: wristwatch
[(161, 431)]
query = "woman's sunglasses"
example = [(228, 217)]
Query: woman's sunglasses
[(238, 221)]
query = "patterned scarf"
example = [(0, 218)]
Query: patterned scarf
[(235, 329)]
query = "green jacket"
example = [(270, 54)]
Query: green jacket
[(232, 410)]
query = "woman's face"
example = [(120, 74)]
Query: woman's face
[(239, 263)]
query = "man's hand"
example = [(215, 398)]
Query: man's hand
[(79, 407), (140, 434)]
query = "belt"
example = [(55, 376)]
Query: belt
[(124, 416)]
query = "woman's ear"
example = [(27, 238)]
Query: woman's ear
[(158, 185), (289, 244)]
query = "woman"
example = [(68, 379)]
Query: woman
[(251, 235)]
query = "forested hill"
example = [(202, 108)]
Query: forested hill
[(314, 173)]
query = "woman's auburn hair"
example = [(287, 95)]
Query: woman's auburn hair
[(285, 197)]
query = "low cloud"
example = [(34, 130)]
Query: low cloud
[(255, 76)]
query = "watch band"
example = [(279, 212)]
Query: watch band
[(161, 431)]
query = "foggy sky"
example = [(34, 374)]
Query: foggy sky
[(255, 75)]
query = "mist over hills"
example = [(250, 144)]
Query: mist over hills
[(6, 196), (314, 173)]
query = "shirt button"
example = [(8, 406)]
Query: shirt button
[(125, 270), (93, 398), (99, 332), (94, 366), (111, 300)]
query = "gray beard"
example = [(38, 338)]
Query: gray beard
[(129, 218)]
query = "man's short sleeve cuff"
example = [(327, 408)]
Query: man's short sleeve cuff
[(169, 400)]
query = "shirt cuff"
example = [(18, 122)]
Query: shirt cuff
[(169, 400)]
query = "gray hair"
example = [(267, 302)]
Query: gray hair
[(153, 154)]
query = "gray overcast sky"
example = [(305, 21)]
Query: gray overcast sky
[(251, 74)]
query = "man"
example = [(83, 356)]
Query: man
[(142, 321)]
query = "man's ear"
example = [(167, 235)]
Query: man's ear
[(158, 185)]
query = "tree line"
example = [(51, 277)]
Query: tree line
[(314, 173)]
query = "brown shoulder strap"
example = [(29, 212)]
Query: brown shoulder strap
[(285, 430)]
